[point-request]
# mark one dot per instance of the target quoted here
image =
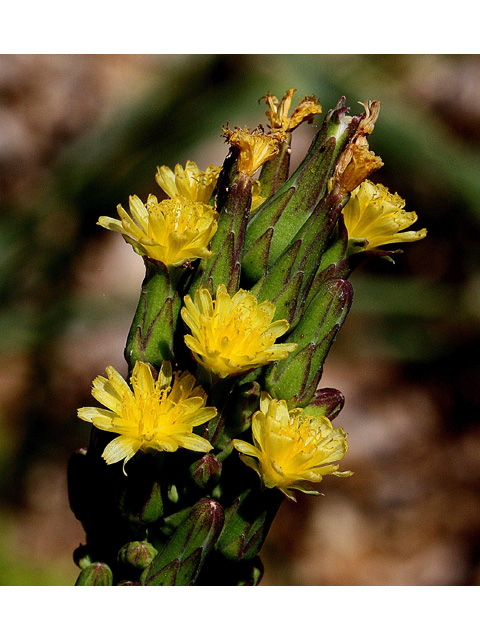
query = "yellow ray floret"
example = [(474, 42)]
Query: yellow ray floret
[(232, 335), (157, 415), (255, 148), (170, 231), (292, 450), (280, 121), (378, 216), (191, 183)]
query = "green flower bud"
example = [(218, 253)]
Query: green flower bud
[(97, 574), (297, 198), (247, 522), (152, 332), (181, 559), (137, 554), (275, 171), (327, 403), (206, 471), (296, 378)]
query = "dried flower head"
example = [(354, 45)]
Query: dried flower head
[(157, 415), (255, 148), (357, 162), (232, 335), (292, 450), (280, 121)]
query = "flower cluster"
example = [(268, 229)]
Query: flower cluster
[(245, 290)]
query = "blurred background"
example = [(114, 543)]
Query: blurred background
[(80, 133)]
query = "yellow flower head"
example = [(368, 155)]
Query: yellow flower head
[(170, 231), (292, 450), (232, 335), (255, 148), (280, 121), (152, 414), (376, 215), (191, 183)]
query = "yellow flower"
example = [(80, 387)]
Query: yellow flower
[(292, 450), (278, 115), (191, 183), (170, 231), (233, 335), (151, 415), (376, 215), (255, 148)]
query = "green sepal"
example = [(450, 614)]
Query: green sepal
[(227, 245), (295, 269), (295, 379), (258, 252), (97, 574), (334, 262), (221, 270), (325, 403), (295, 201), (151, 335), (275, 171), (247, 522), (182, 557), (273, 281), (287, 301)]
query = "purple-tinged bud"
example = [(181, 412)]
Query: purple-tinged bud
[(181, 559), (137, 554), (97, 574), (206, 471), (326, 402)]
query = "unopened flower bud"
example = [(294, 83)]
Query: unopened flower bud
[(97, 574), (137, 554), (206, 471)]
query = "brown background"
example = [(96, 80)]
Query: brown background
[(79, 133)]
